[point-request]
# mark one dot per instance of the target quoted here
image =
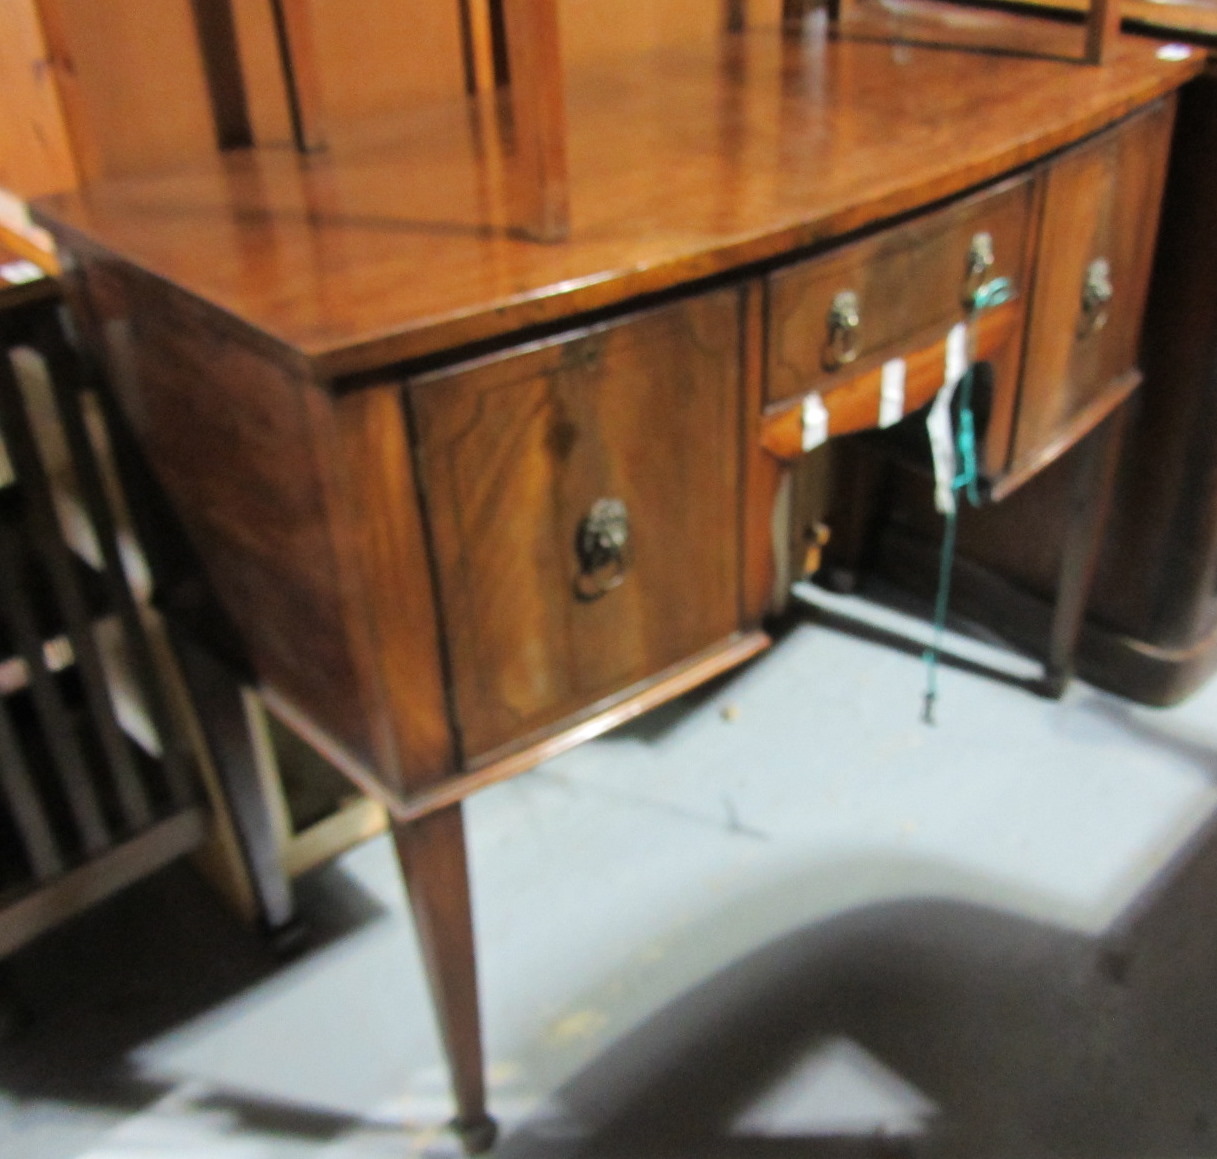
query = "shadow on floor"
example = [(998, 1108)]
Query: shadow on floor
[(140, 964), (1014, 1038)]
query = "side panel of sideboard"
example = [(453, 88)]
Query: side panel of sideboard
[(277, 485)]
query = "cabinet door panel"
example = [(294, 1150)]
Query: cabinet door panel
[(1101, 205), (514, 453)]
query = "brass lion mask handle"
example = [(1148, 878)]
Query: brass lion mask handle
[(981, 260), (844, 322), (602, 542), (1097, 292)]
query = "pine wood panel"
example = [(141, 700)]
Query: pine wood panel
[(141, 86), (371, 61), (387, 53), (299, 48), (262, 71), (587, 36)]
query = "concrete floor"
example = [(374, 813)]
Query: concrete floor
[(780, 917)]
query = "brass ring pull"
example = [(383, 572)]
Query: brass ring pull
[(1097, 292), (981, 260), (602, 549), (844, 322)]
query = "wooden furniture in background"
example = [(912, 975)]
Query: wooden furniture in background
[(216, 72), (1194, 21), (84, 97), (88, 689), (468, 500), (1102, 25), (96, 786)]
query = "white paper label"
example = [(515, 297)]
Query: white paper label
[(942, 447), (1174, 52), (891, 392), (815, 422), (19, 272), (957, 354), (938, 421)]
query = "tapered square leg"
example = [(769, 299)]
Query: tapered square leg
[(1089, 503), (433, 862)]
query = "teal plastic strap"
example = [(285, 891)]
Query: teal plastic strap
[(965, 484), (992, 294)]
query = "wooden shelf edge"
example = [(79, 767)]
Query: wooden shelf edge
[(355, 821), (24, 247), (1156, 17), (25, 919)]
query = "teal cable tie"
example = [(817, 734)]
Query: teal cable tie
[(994, 293), (964, 483)]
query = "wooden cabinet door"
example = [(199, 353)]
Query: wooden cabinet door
[(515, 451), (1100, 221)]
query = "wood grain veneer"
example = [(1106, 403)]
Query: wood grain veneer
[(683, 163), (908, 279), (513, 453), (240, 457), (1101, 202), (383, 414)]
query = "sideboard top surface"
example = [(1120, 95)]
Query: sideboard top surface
[(683, 164)]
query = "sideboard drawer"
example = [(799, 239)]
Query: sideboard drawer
[(907, 281), (1097, 236), (518, 452)]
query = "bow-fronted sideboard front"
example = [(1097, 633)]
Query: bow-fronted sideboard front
[(469, 499)]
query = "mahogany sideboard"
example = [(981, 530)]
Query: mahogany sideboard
[(1150, 631), (469, 499)]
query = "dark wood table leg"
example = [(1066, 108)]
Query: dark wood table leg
[(1089, 503), (432, 856), (215, 692), (14, 1015)]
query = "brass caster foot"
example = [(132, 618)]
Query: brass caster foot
[(290, 940), (1054, 683), (477, 1136)]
